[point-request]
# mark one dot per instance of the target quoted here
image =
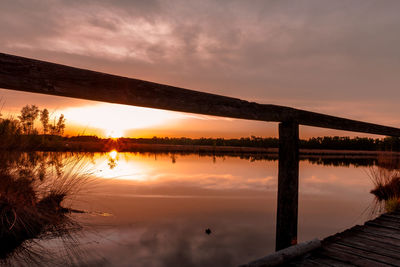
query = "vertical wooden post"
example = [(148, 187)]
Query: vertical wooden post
[(288, 185)]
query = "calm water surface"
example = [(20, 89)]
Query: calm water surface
[(153, 209)]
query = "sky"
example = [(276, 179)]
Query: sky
[(336, 57)]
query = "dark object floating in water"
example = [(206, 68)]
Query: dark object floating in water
[(208, 231)]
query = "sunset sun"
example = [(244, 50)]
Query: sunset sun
[(114, 133), (115, 120)]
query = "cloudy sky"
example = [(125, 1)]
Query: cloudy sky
[(336, 57)]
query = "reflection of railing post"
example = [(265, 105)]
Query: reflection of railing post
[(288, 185)]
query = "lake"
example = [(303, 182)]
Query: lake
[(144, 209)]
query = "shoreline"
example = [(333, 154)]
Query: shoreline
[(106, 147)]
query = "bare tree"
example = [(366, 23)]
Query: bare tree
[(61, 125), (29, 113), (58, 128), (44, 118)]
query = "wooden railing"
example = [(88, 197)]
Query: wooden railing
[(24, 74)]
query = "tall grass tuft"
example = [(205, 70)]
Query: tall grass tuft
[(33, 188), (386, 188)]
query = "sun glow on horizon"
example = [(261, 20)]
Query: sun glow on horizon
[(115, 120), (113, 154), (114, 133)]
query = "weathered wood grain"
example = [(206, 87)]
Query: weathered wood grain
[(376, 243), (383, 225), (381, 232), (288, 185), (389, 219), (328, 261), (370, 255), (393, 216), (358, 246), (369, 245), (24, 74), (355, 256), (311, 263), (386, 240)]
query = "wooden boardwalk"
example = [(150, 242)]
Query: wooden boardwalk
[(376, 243)]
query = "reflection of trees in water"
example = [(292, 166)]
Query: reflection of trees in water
[(33, 187), (173, 158), (340, 160), (112, 163), (112, 158)]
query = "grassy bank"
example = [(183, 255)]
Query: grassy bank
[(32, 192)]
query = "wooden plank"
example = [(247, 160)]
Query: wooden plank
[(310, 263), (344, 255), (380, 231), (359, 237), (384, 225), (397, 213), (332, 261), (391, 215), (24, 74), (356, 256), (288, 185), (385, 240), (329, 262), (371, 246), (391, 221), (318, 259), (376, 243)]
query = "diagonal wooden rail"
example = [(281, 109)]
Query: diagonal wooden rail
[(24, 74), (36, 76)]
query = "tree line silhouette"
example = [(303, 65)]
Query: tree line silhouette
[(326, 142), (22, 133)]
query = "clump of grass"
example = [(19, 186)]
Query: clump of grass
[(386, 188), (32, 191)]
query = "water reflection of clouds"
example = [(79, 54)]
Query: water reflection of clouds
[(217, 181), (340, 181), (183, 243), (159, 171), (160, 209)]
